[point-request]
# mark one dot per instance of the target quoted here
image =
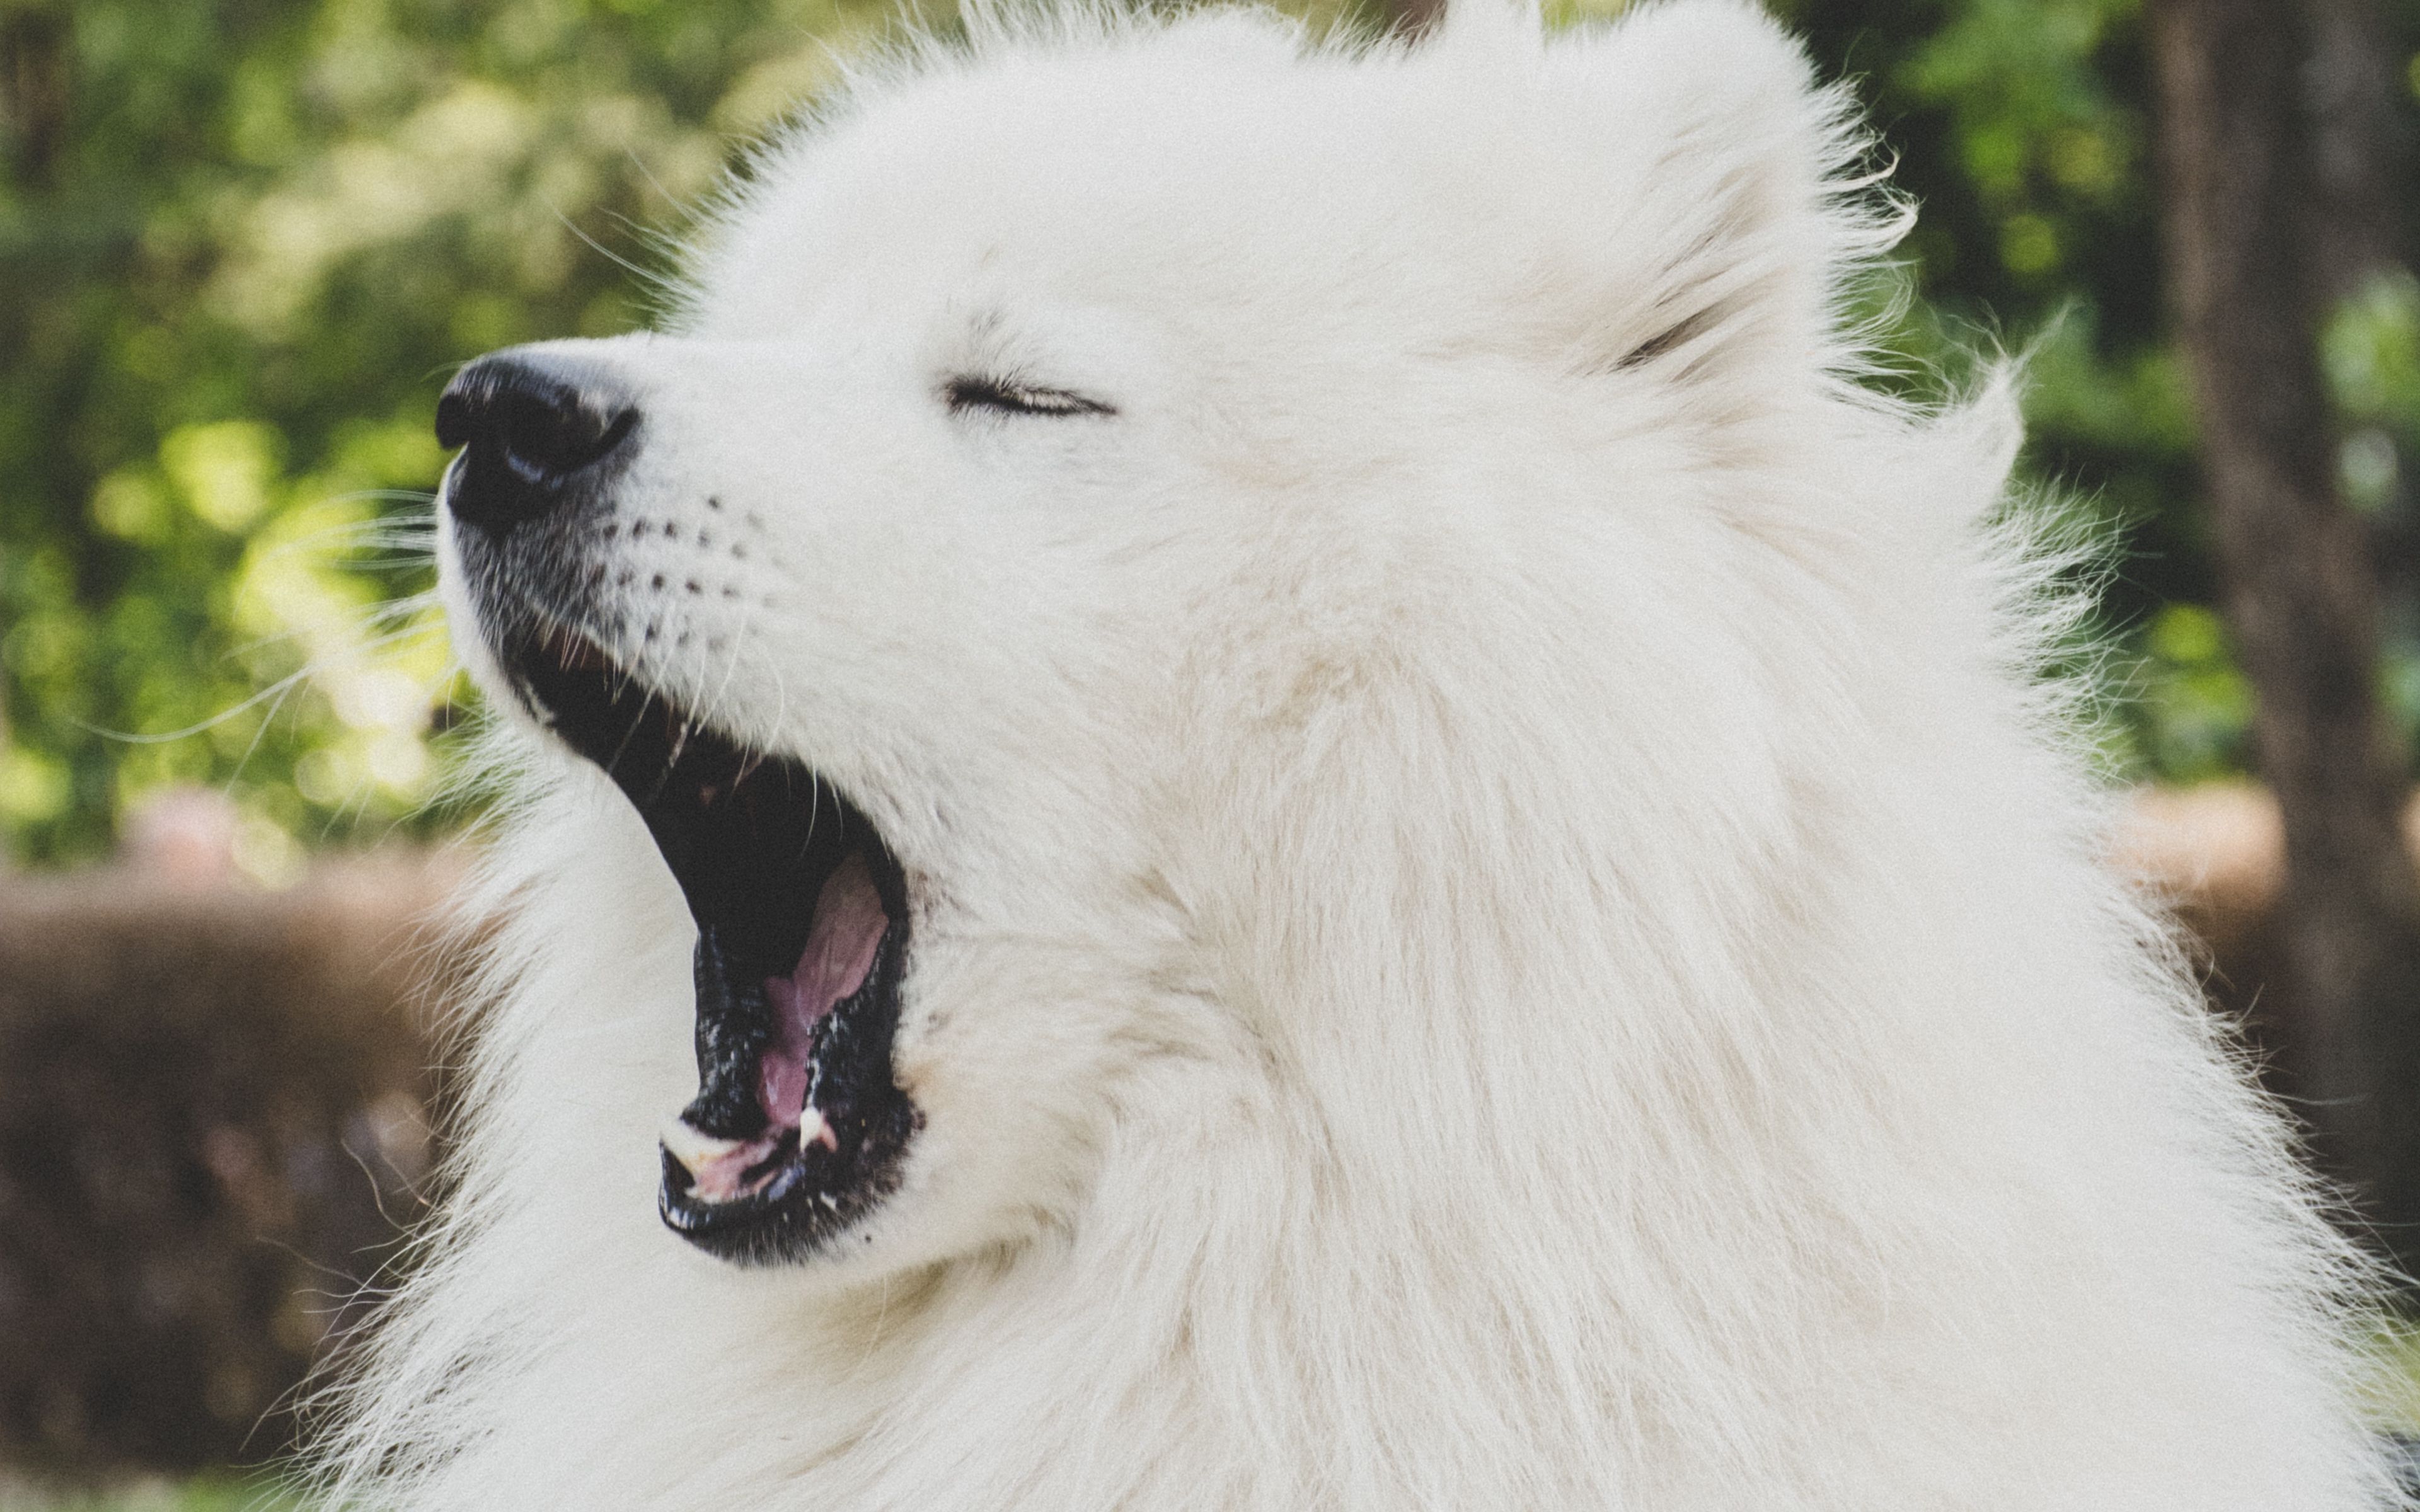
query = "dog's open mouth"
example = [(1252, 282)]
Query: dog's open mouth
[(798, 1125)]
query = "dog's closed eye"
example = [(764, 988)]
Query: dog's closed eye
[(1009, 398)]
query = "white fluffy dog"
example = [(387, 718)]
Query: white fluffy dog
[(1314, 817)]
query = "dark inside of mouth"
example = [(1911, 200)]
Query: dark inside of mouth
[(801, 925)]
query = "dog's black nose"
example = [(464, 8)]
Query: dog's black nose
[(536, 429)]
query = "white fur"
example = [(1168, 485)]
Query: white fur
[(1501, 918)]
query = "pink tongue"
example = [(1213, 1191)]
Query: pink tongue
[(849, 922)]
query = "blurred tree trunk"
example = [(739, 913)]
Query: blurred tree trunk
[(2358, 150), (2242, 194), (33, 90)]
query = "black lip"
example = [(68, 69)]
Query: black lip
[(751, 838)]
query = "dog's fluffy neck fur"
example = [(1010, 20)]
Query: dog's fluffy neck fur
[(1379, 1277)]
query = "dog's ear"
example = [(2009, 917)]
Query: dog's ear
[(1724, 219)]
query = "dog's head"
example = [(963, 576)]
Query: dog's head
[(1054, 447)]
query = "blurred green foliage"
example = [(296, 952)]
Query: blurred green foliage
[(2023, 129), (240, 246), (243, 242)]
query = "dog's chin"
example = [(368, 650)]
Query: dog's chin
[(800, 1128)]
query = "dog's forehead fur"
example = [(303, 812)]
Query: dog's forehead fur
[(1484, 191)]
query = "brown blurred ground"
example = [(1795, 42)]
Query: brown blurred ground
[(216, 1106)]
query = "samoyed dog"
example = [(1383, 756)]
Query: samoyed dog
[(1248, 784)]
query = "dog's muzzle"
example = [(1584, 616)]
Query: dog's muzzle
[(799, 1127)]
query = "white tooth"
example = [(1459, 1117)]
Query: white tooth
[(819, 1134), (696, 1148)]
